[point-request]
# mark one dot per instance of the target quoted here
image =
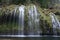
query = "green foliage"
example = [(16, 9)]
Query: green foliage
[(18, 1), (43, 3)]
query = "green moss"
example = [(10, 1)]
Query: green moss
[(46, 23), (45, 17)]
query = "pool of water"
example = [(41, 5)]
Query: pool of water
[(30, 38), (12, 36)]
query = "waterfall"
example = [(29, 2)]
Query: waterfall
[(26, 23), (55, 23), (21, 20), (33, 21)]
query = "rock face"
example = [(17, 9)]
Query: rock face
[(25, 20)]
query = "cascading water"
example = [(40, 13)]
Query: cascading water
[(32, 26), (21, 20), (33, 21), (55, 23), (17, 18)]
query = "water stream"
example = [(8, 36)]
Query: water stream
[(33, 21), (55, 23), (21, 20)]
